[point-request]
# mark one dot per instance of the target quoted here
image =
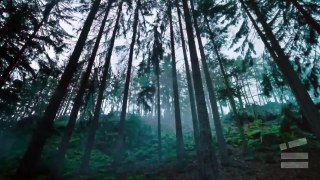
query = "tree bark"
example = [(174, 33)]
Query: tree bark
[(31, 157), (59, 160), (179, 136), (211, 92), (121, 136), (95, 120), (208, 160), (239, 92), (159, 114), (189, 81), (229, 90)]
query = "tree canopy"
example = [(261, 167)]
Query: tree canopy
[(140, 89)]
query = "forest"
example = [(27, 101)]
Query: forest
[(160, 89)]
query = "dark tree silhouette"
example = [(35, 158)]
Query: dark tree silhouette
[(59, 161), (32, 155), (122, 123), (308, 108), (95, 119), (208, 160), (179, 135), (6, 73)]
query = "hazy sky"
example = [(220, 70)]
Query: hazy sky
[(259, 47)]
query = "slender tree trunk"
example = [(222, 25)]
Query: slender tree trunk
[(245, 92), (7, 72), (95, 120), (134, 107), (121, 136), (239, 94), (279, 93), (59, 112), (189, 82), (229, 90), (31, 157), (240, 100), (307, 16), (246, 83), (208, 160), (68, 96), (153, 110), (206, 93), (303, 98), (221, 109), (211, 92), (259, 92), (179, 135), (37, 99), (274, 96), (59, 160), (86, 106), (159, 114), (64, 112)]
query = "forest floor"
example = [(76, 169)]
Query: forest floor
[(261, 162), (260, 170), (242, 168)]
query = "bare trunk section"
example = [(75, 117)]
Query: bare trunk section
[(211, 92), (229, 90), (95, 120), (179, 135), (190, 85), (208, 161), (59, 160), (31, 157), (121, 136), (159, 115)]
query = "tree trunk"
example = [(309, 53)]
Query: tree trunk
[(159, 115), (59, 160), (274, 96), (95, 120), (121, 136), (211, 92), (303, 98), (179, 136), (68, 101), (31, 157), (259, 94), (245, 92), (208, 160), (189, 81), (221, 109), (239, 94), (7, 72), (86, 106), (246, 83), (229, 90)]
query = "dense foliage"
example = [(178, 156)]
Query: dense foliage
[(134, 89)]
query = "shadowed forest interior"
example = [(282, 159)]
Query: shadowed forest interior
[(160, 89)]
